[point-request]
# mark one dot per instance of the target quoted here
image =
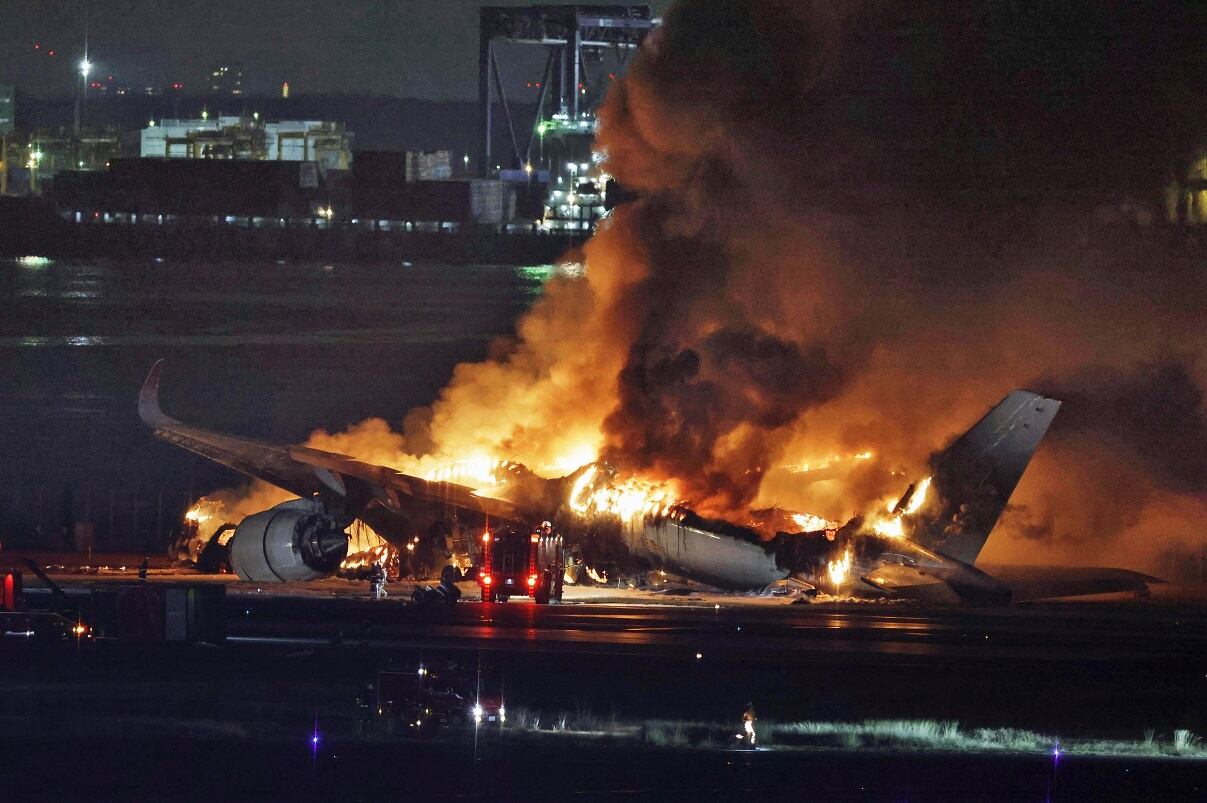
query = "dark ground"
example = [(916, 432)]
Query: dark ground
[(236, 721)]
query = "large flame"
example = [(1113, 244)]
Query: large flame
[(810, 523), (898, 518), (797, 285), (594, 493), (478, 471), (830, 461), (917, 498), (839, 569)]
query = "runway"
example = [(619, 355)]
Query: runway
[(741, 631), (1119, 665), (297, 655)]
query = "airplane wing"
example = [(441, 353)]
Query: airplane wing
[(306, 472)]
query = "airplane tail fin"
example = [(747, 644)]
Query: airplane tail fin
[(974, 476)]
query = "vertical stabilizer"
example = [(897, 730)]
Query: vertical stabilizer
[(976, 474)]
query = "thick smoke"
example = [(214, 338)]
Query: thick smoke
[(859, 226)]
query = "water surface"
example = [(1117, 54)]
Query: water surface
[(266, 349)]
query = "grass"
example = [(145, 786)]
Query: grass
[(1186, 743), (874, 734), (948, 736)]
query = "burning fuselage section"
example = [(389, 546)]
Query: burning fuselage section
[(922, 544)]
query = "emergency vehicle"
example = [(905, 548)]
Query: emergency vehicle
[(518, 563)]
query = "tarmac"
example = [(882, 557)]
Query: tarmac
[(296, 655)]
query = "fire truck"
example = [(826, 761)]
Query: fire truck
[(519, 563)]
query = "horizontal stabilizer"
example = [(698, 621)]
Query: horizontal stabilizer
[(1051, 582)]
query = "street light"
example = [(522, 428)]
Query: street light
[(85, 68)]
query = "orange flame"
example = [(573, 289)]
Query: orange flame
[(810, 523), (595, 494), (893, 525), (839, 569)]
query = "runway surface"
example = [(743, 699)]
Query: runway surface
[(1115, 666), (297, 658)]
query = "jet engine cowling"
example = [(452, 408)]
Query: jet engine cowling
[(295, 540)]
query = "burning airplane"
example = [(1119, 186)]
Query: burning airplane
[(922, 545)]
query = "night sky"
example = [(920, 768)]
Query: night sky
[(404, 48)]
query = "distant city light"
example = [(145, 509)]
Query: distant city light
[(85, 67)]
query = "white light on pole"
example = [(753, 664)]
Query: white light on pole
[(85, 68)]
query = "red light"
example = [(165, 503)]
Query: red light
[(37, 45), (487, 579), (532, 581), (51, 53)]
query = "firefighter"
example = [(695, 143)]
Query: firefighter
[(377, 581), (748, 718)]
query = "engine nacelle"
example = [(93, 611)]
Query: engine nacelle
[(295, 540)]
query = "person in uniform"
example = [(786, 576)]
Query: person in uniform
[(377, 581)]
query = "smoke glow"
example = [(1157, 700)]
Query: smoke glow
[(824, 280)]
